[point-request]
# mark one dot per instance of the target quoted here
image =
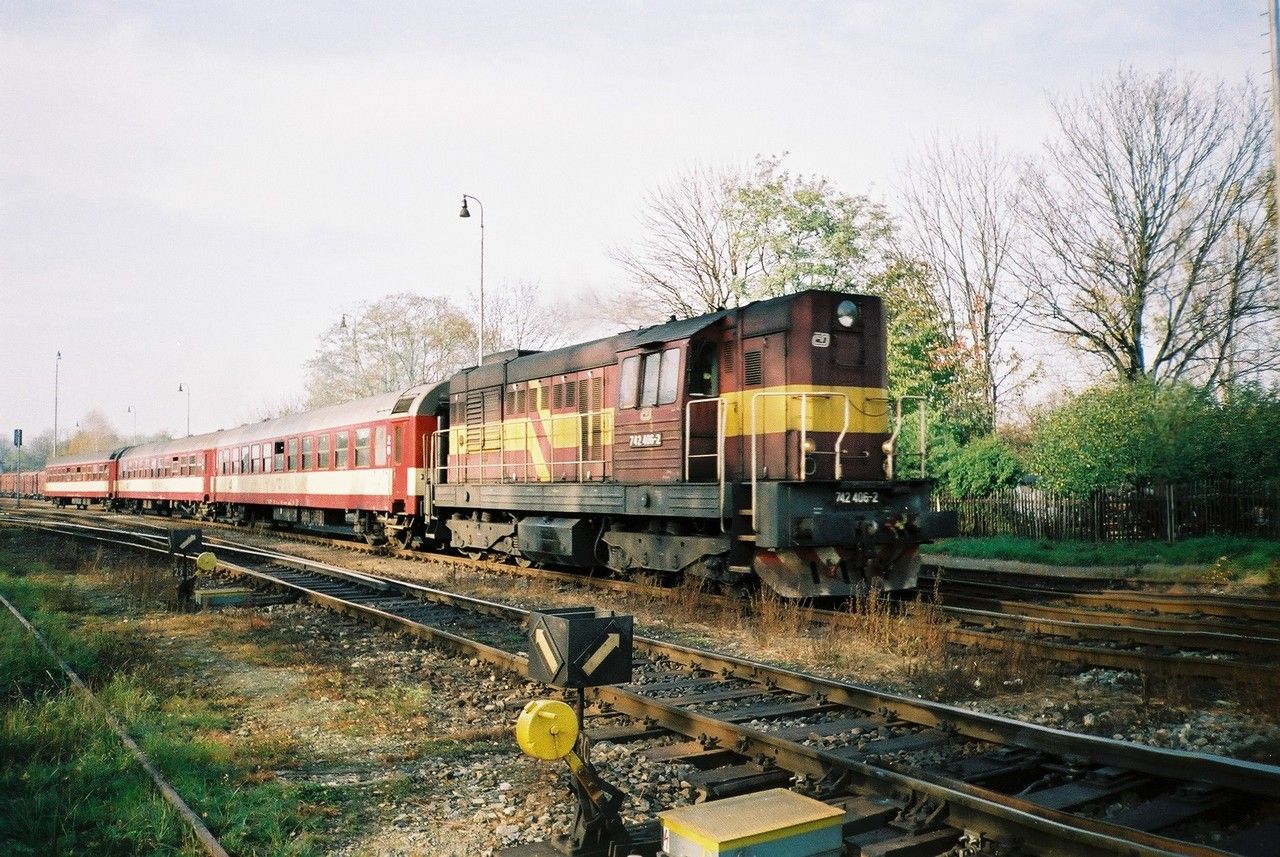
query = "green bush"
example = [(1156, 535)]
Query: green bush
[(976, 468), (1130, 434)]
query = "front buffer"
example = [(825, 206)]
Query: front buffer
[(838, 539)]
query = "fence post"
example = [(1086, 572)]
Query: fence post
[(1097, 514), (1170, 524)]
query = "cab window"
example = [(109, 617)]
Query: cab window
[(629, 382), (649, 379)]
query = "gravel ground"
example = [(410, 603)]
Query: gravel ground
[(420, 740)]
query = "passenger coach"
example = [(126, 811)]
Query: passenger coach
[(357, 465), (82, 480)]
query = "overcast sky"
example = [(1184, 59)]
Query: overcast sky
[(192, 192)]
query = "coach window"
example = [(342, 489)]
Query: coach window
[(380, 446), (341, 441), (292, 461), (362, 447), (323, 462), (278, 457), (308, 458), (255, 458)]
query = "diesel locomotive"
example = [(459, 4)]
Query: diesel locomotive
[(743, 446)]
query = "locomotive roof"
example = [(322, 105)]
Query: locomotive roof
[(525, 366), (573, 358)]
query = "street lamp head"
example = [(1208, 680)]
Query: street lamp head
[(464, 212), (179, 388)]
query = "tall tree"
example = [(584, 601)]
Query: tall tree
[(404, 339), (92, 433), (719, 238), (692, 257), (1148, 222), (36, 450), (961, 218), (802, 232), (389, 344), (518, 316)]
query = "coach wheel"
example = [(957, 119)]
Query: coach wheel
[(523, 561)]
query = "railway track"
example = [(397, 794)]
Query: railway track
[(1166, 635), (913, 776)]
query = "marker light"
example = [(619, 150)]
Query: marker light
[(847, 313)]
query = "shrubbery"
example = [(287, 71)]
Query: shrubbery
[(1135, 433), (1111, 436), (976, 468)]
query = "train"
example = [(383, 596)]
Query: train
[(744, 447)]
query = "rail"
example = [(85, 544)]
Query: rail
[(804, 435)]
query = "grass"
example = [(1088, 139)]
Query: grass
[(1247, 555), (68, 786)]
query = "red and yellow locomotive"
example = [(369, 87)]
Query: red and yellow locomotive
[(747, 443)]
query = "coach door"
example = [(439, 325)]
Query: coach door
[(393, 438), (207, 471)]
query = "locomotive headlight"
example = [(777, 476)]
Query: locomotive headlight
[(847, 313)]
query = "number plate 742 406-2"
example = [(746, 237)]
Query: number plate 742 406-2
[(857, 498)]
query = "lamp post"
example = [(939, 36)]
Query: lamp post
[(480, 332), (184, 387), (57, 363), (134, 411)]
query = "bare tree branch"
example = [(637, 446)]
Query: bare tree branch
[(962, 223), (1147, 217)]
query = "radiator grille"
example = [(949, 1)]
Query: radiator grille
[(751, 369)]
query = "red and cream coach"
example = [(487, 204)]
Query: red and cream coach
[(358, 465), (81, 480)]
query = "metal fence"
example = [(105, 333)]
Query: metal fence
[(1167, 512)]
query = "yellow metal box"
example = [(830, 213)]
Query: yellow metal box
[(774, 823)]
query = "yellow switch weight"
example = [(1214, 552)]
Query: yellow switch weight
[(547, 729)]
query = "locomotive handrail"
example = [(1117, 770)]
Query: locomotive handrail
[(804, 434), (718, 455), (509, 442)]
